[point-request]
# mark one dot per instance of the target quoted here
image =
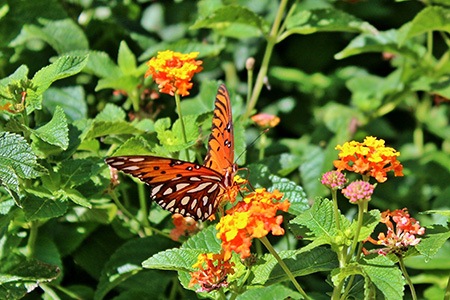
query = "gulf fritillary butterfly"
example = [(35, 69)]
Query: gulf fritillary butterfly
[(190, 189)]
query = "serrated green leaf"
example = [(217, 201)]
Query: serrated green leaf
[(101, 65), (172, 140), (328, 19), (300, 264), (234, 21), (134, 146), (435, 238), (385, 276), (276, 291), (63, 67), (173, 259), (320, 220), (126, 59), (37, 208), (204, 240), (70, 99), (17, 160), (111, 113), (75, 172), (55, 132), (123, 82), (126, 262)]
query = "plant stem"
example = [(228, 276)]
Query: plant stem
[(405, 274), (447, 291), (288, 272), (34, 225), (336, 209), (144, 209), (271, 42), (183, 128)]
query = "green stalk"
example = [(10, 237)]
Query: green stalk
[(447, 291), (144, 209), (362, 206), (271, 42), (288, 272), (183, 129), (31, 244), (407, 278), (336, 209)]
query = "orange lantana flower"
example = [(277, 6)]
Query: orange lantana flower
[(369, 158), (254, 217), (212, 273), (173, 71)]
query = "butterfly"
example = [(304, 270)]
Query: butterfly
[(190, 189)]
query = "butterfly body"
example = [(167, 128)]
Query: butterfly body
[(187, 188)]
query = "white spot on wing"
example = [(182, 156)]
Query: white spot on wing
[(168, 191), (185, 200), (200, 187), (171, 204), (194, 204), (136, 159), (181, 186), (213, 188), (156, 189), (131, 168)]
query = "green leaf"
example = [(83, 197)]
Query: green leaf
[(431, 18), (102, 214), (126, 59), (276, 291), (17, 160), (62, 35), (370, 220), (75, 172), (134, 146), (19, 275), (70, 99), (383, 41), (19, 75), (126, 262), (76, 197), (385, 276), (435, 238), (328, 19), (111, 113), (101, 65), (299, 262), (63, 67), (55, 132), (234, 21), (174, 260), (39, 208), (172, 140), (204, 240)]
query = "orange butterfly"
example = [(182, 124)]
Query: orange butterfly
[(187, 188)]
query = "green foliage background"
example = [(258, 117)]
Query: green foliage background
[(342, 70)]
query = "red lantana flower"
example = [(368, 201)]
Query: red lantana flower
[(253, 217), (369, 158), (173, 71)]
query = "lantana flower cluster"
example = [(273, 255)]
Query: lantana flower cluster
[(402, 232), (173, 71), (212, 272), (253, 217), (369, 158)]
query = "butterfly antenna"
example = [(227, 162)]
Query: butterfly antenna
[(253, 142)]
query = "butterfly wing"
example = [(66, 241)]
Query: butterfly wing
[(220, 154), (177, 186)]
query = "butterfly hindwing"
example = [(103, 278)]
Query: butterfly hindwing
[(177, 186)]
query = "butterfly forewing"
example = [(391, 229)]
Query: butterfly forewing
[(177, 186), (221, 141)]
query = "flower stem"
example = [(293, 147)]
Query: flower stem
[(271, 42), (31, 244), (447, 291), (361, 208), (183, 129), (288, 272), (144, 209), (405, 274), (336, 209)]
